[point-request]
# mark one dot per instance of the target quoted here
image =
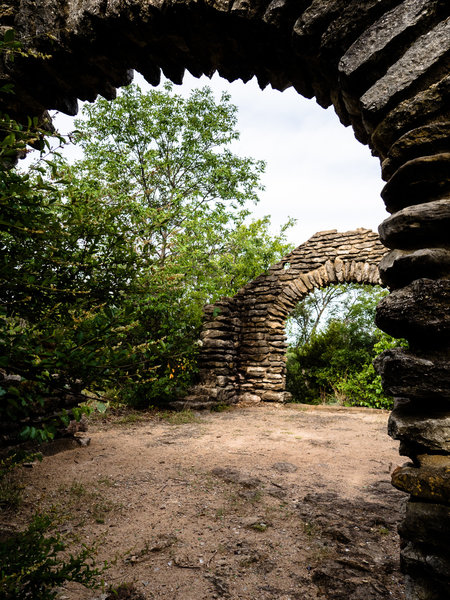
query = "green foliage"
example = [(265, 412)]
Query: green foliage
[(363, 388), (159, 171), (106, 264), (333, 360), (34, 563)]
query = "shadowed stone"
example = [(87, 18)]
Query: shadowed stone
[(428, 572), (422, 141), (426, 523), (418, 226), (400, 267), (432, 433), (406, 375), (418, 311), (376, 43), (430, 49), (426, 106), (418, 181)]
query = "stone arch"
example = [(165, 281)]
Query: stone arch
[(384, 66), (243, 351)]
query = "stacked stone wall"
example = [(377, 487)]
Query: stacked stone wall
[(384, 66), (243, 341)]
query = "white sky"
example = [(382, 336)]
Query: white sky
[(317, 172)]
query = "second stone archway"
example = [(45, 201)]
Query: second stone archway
[(243, 342)]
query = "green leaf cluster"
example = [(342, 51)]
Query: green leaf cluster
[(34, 563), (334, 343)]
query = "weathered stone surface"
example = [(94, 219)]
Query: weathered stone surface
[(429, 432), (381, 41), (400, 267), (421, 141), (426, 523), (428, 51), (418, 181), (419, 311), (418, 226), (428, 572), (424, 482), (427, 106), (408, 376)]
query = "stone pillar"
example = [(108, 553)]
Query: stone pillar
[(417, 271), (218, 382)]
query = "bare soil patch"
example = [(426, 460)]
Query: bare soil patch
[(269, 502)]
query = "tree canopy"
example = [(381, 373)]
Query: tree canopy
[(107, 262)]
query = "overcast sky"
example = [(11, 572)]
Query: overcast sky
[(317, 172)]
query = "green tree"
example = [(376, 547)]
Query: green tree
[(160, 164), (334, 345), (166, 157), (103, 273)]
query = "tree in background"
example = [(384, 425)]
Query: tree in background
[(160, 165), (108, 262), (334, 341)]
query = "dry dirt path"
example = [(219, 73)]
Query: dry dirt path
[(272, 502)]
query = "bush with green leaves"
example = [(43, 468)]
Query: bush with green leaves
[(331, 357), (35, 562), (363, 387), (106, 263)]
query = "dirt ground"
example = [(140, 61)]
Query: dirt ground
[(268, 502)]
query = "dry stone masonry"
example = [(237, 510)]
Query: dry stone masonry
[(243, 352), (384, 66)]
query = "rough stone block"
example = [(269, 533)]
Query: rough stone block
[(428, 572), (430, 432), (424, 54), (419, 180), (426, 523), (406, 375), (375, 45), (419, 311), (426, 483), (270, 396), (418, 226), (400, 267), (421, 141), (425, 107)]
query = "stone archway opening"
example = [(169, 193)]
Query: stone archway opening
[(331, 338), (384, 65), (243, 352)]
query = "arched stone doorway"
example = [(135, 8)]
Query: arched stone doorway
[(243, 352), (384, 65)]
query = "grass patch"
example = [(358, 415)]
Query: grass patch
[(181, 417), (11, 480), (131, 418), (221, 408), (10, 491)]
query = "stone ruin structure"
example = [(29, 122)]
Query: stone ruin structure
[(243, 351), (384, 66)]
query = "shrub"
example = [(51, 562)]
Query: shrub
[(34, 563)]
